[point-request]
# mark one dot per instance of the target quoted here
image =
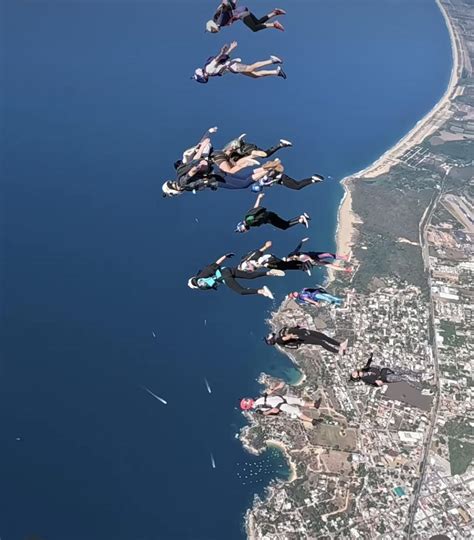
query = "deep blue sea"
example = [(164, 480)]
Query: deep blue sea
[(97, 104)]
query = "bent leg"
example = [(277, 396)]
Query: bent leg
[(286, 265), (248, 275), (234, 285), (255, 24), (272, 150)]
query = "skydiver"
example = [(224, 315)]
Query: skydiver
[(259, 215), (202, 149), (228, 12), (318, 258), (219, 65), (378, 376), (294, 337), (258, 259), (212, 275), (273, 403), (315, 296), (239, 148), (277, 176), (199, 175)]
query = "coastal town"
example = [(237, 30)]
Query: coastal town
[(395, 461)]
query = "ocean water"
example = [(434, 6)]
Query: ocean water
[(97, 104)]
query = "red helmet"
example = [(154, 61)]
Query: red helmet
[(246, 404)]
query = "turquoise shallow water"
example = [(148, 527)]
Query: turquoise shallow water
[(97, 105)]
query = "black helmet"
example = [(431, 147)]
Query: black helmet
[(271, 339)]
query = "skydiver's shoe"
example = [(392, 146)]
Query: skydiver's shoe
[(284, 143), (275, 59), (304, 221), (343, 347), (281, 73), (267, 293), (278, 26), (316, 421), (278, 11), (306, 215), (275, 272), (241, 137), (317, 178), (317, 403)]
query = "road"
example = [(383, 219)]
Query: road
[(424, 223)]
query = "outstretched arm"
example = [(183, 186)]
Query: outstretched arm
[(369, 361), (267, 245), (226, 50), (298, 247), (271, 411), (224, 257), (259, 199), (279, 386), (240, 164)]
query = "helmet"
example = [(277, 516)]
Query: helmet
[(192, 283), (169, 189), (241, 227), (212, 27), (247, 266), (246, 404), (270, 339), (200, 76)]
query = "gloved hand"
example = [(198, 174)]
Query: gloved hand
[(229, 255)]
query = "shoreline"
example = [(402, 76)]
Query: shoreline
[(346, 219), (283, 449)]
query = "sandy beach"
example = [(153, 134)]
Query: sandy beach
[(283, 448), (423, 128)]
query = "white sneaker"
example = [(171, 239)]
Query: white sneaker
[(275, 59), (306, 215), (241, 137), (276, 272), (304, 221), (317, 178), (284, 142), (267, 292)]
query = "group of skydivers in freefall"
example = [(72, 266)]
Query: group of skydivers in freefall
[(237, 166)]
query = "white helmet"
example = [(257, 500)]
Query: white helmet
[(169, 190), (200, 76), (192, 283), (212, 27)]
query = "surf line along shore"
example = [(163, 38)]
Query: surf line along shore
[(346, 219)]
